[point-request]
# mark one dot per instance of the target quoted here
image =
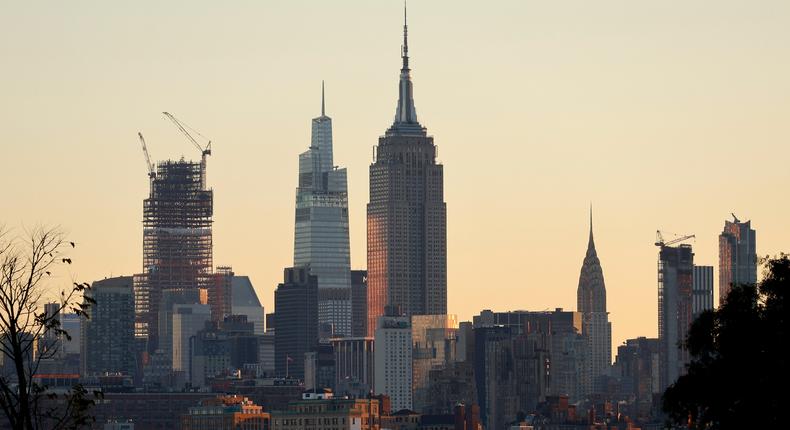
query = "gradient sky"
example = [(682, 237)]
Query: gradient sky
[(664, 114)]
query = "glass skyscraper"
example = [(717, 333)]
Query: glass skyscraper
[(321, 240)]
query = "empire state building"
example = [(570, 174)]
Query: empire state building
[(407, 215)]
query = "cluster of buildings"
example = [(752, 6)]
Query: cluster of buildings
[(365, 349)]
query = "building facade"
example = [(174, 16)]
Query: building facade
[(188, 320), (675, 285), (636, 366), (107, 336), (406, 216), (591, 302), (511, 372), (737, 256), (229, 412), (568, 349), (296, 321), (393, 359), (434, 339), (353, 365), (321, 241), (244, 301), (359, 303), (702, 290), (323, 412)]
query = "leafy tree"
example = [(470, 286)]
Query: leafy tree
[(738, 373), (26, 266)]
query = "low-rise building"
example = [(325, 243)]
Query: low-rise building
[(229, 412), (319, 410)]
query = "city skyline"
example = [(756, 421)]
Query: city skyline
[(492, 213)]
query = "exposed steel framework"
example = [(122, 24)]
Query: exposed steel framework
[(177, 240)]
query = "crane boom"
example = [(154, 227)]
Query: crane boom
[(183, 127), (151, 171), (660, 239)]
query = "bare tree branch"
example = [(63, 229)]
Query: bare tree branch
[(26, 268)]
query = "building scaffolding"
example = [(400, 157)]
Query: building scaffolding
[(177, 240)]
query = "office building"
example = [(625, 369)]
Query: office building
[(636, 367), (434, 339), (244, 301), (511, 371), (296, 321), (353, 365), (107, 336), (188, 320), (359, 303), (737, 256), (393, 358), (406, 215), (319, 368)]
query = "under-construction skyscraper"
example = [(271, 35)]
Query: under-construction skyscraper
[(675, 285), (177, 240)]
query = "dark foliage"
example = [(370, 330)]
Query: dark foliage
[(738, 374)]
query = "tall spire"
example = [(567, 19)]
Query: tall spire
[(405, 47), (322, 98), (405, 115), (591, 242)]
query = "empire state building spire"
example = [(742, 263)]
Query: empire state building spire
[(405, 114)]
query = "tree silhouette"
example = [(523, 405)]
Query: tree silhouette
[(27, 264), (737, 377)]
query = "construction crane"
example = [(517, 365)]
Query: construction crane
[(204, 151), (151, 171), (660, 239), (735, 218), (183, 127)]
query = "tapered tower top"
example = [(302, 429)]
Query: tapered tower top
[(405, 114)]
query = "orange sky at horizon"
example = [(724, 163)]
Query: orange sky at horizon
[(666, 115)]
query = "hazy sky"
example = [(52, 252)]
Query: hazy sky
[(664, 114)]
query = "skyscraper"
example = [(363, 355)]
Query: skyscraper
[(296, 320), (107, 335), (591, 302), (321, 235), (177, 240), (407, 216), (737, 256), (675, 285)]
